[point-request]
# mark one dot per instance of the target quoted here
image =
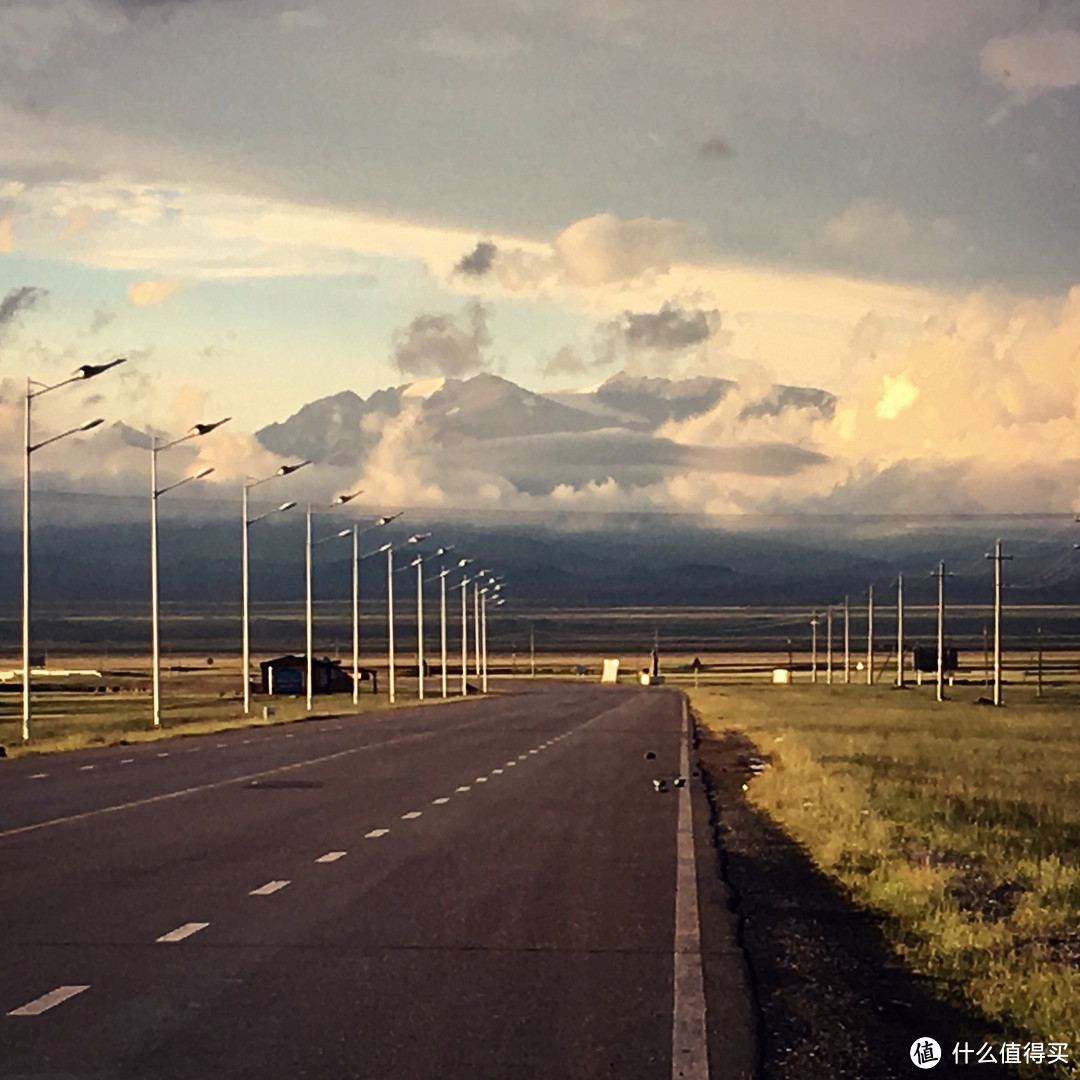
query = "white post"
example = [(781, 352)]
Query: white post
[(828, 646), (847, 639), (870, 636), (26, 570), (245, 662), (464, 636), (155, 632), (442, 598), (941, 632), (355, 616), (420, 624), (999, 558), (483, 625), (532, 652), (390, 617), (813, 648), (476, 624), (900, 630), (307, 607)]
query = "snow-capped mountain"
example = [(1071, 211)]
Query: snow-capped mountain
[(340, 429)]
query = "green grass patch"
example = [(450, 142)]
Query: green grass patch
[(72, 721), (957, 821)]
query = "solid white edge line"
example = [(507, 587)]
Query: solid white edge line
[(689, 1038), (268, 888), (184, 931), (331, 856), (47, 1001)]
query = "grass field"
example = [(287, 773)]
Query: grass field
[(958, 821)]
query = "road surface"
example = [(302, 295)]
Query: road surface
[(477, 889)]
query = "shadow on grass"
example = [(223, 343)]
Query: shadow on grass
[(833, 999)]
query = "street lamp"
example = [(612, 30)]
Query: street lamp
[(442, 611), (86, 371), (385, 519), (414, 539), (442, 589), (156, 493), (341, 500), (285, 470)]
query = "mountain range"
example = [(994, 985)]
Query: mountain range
[(631, 412)]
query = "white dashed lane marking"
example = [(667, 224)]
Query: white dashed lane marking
[(411, 814), (268, 888), (510, 764), (127, 761), (39, 776), (331, 856), (85, 768), (496, 772), (439, 802), (184, 931), (481, 779), (164, 753), (219, 745), (375, 833), (464, 787), (47, 1001)]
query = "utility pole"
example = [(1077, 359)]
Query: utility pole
[(813, 648), (870, 636), (900, 630), (1038, 685), (390, 619), (828, 646), (847, 639), (940, 575), (998, 558), (464, 636)]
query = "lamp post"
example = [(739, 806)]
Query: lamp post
[(87, 371), (442, 589), (341, 500), (248, 484), (357, 559), (414, 539), (155, 493), (464, 635), (418, 562), (483, 638)]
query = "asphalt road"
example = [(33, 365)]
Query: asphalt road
[(478, 889)]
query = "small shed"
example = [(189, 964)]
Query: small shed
[(288, 675)]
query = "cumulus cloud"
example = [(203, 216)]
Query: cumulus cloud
[(671, 341), (443, 344), (716, 149), (310, 18), (868, 223), (151, 292), (7, 236), (478, 261), (16, 302), (103, 316), (672, 327), (567, 362), (467, 48), (603, 249), (1031, 64)]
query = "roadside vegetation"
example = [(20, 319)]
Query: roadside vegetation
[(959, 822), (72, 721)]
